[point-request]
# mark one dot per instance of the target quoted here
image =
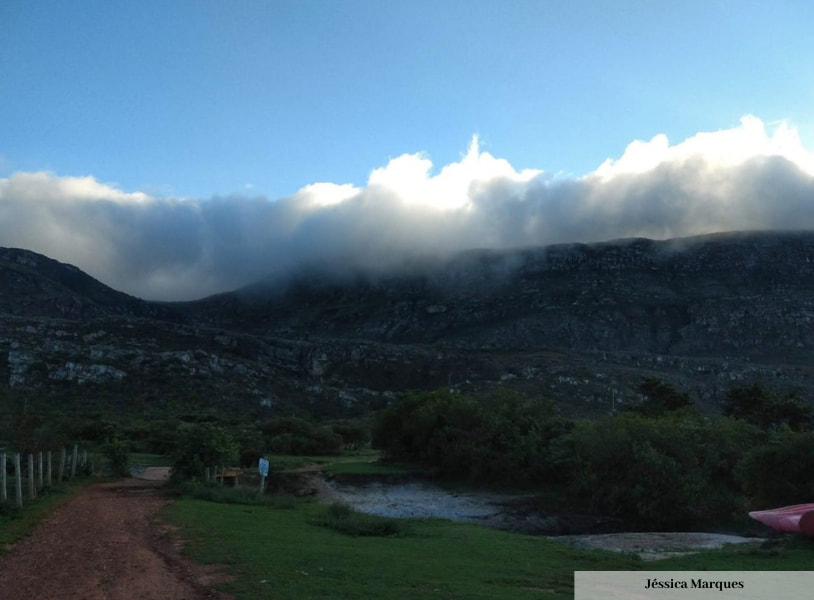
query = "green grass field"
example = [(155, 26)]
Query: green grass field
[(282, 554), (286, 554), (791, 553)]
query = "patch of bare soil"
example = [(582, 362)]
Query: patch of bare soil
[(105, 544)]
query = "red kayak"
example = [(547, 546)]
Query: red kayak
[(789, 519)]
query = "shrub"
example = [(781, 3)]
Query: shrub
[(344, 519), (9, 510), (118, 453), (779, 472), (250, 457), (199, 446), (767, 410), (505, 439), (292, 435), (354, 433), (230, 495), (660, 472), (660, 398)]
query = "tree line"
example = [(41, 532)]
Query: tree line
[(660, 463)]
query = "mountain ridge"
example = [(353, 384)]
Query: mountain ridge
[(579, 323), (480, 289), (32, 284)]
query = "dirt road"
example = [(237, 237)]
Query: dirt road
[(105, 544)]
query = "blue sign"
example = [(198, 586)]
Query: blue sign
[(263, 467)]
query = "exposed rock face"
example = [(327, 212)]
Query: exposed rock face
[(579, 323)]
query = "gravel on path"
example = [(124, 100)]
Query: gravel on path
[(105, 544)]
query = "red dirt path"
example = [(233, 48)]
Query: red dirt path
[(105, 544)]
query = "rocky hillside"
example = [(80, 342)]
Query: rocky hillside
[(578, 323), (742, 293), (33, 285)]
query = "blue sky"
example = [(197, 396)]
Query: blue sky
[(197, 105), (195, 98)]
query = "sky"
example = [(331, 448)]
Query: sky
[(175, 149)]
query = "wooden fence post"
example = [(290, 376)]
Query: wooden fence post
[(40, 474), (4, 491), (31, 491), (18, 479), (48, 479), (62, 464), (74, 459)]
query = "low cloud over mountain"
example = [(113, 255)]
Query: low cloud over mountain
[(183, 248)]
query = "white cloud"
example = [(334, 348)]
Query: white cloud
[(408, 178), (48, 187), (161, 247), (319, 195), (719, 149)]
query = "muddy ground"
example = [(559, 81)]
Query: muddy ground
[(105, 544)]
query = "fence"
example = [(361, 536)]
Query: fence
[(40, 471)]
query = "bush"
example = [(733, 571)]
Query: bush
[(118, 453), (9, 510), (199, 446), (354, 434), (779, 472), (250, 457), (503, 440), (661, 472), (32, 433), (292, 435), (767, 410), (660, 398), (344, 519), (230, 495)]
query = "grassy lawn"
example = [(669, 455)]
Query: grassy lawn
[(282, 554), (790, 553), (285, 554)]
